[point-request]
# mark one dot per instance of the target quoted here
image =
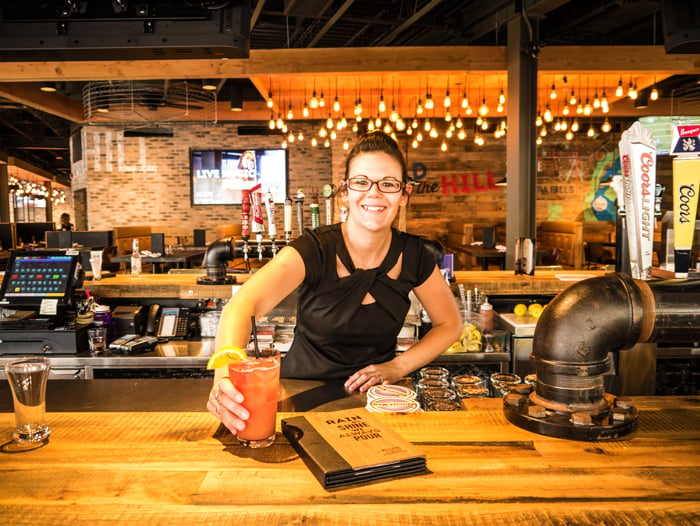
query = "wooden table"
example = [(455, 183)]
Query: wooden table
[(485, 254), (179, 258), (135, 467)]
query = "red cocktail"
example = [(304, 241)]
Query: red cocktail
[(258, 381)]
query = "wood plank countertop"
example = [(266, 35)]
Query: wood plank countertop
[(184, 286), (104, 467)]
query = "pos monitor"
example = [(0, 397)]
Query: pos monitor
[(41, 280)]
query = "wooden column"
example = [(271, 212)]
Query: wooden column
[(4, 195), (521, 170), (49, 202)]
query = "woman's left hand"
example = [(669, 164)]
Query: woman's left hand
[(383, 373)]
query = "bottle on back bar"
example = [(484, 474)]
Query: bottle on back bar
[(135, 259)]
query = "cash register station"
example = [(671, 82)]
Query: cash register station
[(37, 312)]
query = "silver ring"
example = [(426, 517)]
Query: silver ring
[(218, 407), (217, 395)]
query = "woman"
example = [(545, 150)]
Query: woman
[(65, 222), (354, 279)]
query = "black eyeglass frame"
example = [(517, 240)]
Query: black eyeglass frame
[(401, 186)]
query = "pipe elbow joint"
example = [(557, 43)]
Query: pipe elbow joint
[(218, 254), (586, 321)]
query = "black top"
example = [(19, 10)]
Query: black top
[(335, 333)]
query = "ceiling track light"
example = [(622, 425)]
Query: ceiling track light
[(236, 98), (48, 87), (209, 85)]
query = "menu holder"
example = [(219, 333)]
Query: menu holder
[(348, 447)]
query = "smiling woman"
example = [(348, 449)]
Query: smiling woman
[(353, 282)]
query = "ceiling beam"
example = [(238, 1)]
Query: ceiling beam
[(357, 60), (53, 103)]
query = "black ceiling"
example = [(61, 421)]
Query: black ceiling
[(42, 139)]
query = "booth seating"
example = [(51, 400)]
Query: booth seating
[(460, 233), (566, 237), (124, 237)]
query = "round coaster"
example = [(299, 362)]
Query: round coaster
[(393, 405), (390, 391)]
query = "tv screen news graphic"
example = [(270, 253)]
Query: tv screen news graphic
[(220, 176)]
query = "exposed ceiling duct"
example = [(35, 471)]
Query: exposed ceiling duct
[(130, 102)]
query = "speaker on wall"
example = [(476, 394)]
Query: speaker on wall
[(200, 237), (681, 26), (158, 243)]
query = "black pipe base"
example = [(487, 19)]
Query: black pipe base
[(618, 421)]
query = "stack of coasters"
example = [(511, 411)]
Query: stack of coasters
[(391, 399)]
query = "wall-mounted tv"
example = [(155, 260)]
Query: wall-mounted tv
[(219, 176)]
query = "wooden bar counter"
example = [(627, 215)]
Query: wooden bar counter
[(139, 465), (184, 286)]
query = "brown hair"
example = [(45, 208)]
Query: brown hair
[(377, 141)]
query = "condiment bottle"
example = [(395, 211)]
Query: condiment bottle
[(486, 311), (135, 259)]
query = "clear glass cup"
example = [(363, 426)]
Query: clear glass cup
[(502, 382), (27, 378), (434, 372), (97, 339), (466, 380), (258, 380), (440, 399), (431, 383)]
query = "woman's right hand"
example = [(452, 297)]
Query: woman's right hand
[(225, 404)]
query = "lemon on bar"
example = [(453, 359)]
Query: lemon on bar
[(535, 310), (226, 356), (520, 309)]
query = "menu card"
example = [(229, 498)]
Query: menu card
[(350, 447)]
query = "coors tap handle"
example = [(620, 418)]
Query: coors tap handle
[(245, 225)]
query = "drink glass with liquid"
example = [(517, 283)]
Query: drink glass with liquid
[(27, 378), (258, 381)]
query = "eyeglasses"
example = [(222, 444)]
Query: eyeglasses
[(388, 185)]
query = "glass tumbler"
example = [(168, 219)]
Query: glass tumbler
[(27, 378), (439, 399), (502, 382)]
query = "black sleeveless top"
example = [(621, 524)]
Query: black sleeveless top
[(335, 333)]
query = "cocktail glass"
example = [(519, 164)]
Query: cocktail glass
[(258, 380)]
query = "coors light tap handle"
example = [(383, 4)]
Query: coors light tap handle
[(638, 162)]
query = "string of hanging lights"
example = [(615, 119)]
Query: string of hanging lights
[(562, 108)]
